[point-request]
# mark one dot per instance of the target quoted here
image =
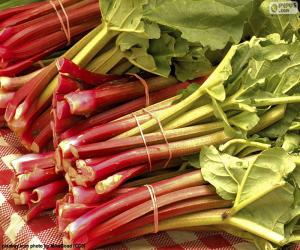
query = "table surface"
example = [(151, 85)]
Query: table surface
[(43, 231)]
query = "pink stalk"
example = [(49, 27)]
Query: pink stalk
[(83, 102), (133, 229), (66, 66), (68, 164), (37, 178), (123, 109), (69, 212), (30, 90), (83, 195), (111, 183), (4, 14), (14, 83), (74, 210), (142, 209), (43, 138), (19, 66), (63, 110), (124, 202), (40, 126), (116, 145), (50, 23), (61, 124), (32, 13), (27, 163), (141, 155), (47, 191), (100, 133), (66, 85), (50, 42), (40, 207)]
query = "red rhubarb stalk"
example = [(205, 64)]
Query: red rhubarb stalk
[(50, 23), (19, 66), (34, 87), (47, 191), (142, 209), (100, 133), (83, 102), (14, 83), (50, 42), (29, 162), (35, 130), (123, 109), (119, 204), (133, 229), (32, 13), (84, 195), (100, 119), (42, 140), (4, 14), (111, 183), (40, 207), (37, 178), (66, 66), (116, 145), (140, 155), (23, 198)]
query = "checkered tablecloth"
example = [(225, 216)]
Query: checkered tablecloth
[(42, 231)]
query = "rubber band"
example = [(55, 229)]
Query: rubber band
[(144, 140), (155, 207), (163, 134), (66, 29), (143, 81)]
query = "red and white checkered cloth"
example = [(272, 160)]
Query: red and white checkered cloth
[(43, 231)]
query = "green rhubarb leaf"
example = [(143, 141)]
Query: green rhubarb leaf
[(164, 49), (193, 64), (223, 171), (210, 23), (263, 197), (263, 22), (123, 15), (245, 120), (272, 211), (272, 164), (291, 142), (217, 92)]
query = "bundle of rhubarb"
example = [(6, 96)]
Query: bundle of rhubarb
[(120, 118), (34, 35), (248, 186), (131, 34), (36, 184), (116, 95), (33, 31)]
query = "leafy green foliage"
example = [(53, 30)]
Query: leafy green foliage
[(187, 36), (263, 196)]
